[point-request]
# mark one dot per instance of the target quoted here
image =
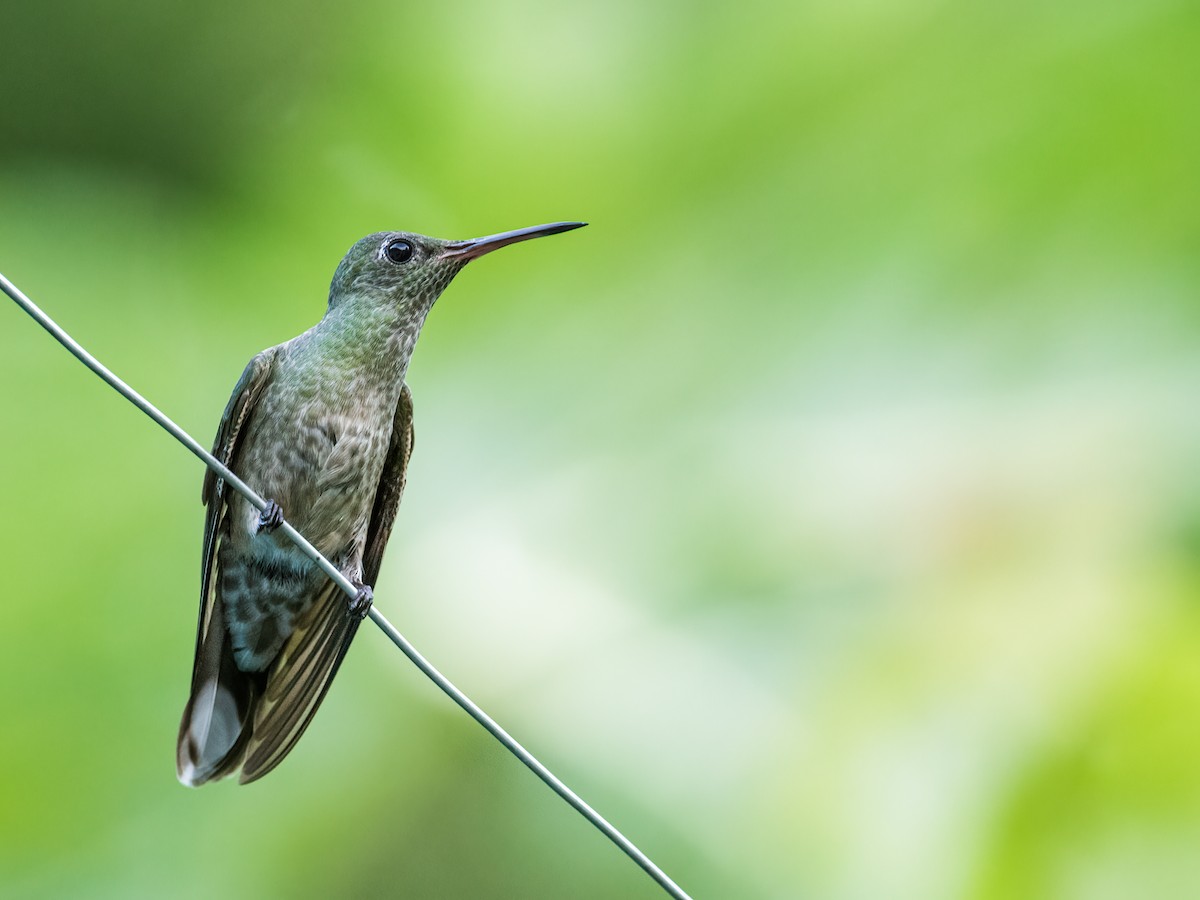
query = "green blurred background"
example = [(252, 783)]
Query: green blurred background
[(827, 512)]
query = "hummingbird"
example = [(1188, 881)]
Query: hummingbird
[(323, 426)]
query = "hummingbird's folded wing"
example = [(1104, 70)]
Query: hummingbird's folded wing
[(298, 680), (221, 697), (255, 377), (391, 487)]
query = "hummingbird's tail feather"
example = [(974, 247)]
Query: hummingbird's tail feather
[(297, 681), (213, 730), (251, 720)]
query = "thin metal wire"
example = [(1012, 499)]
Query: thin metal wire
[(448, 687)]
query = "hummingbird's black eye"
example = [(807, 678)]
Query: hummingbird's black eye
[(399, 251)]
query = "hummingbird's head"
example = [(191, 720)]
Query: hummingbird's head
[(411, 269)]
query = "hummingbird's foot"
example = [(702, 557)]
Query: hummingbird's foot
[(270, 518), (360, 603)]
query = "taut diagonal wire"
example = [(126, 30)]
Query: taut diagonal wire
[(344, 583)]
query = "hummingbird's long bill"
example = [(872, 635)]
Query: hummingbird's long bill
[(467, 250)]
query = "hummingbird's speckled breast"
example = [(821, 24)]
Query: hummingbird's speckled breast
[(317, 447)]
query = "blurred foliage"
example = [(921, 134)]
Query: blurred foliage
[(826, 512)]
